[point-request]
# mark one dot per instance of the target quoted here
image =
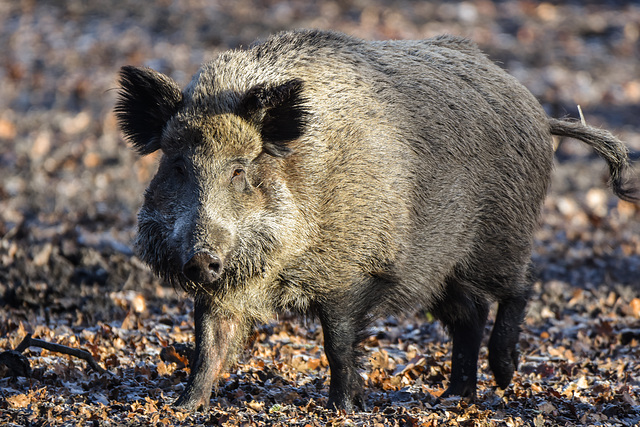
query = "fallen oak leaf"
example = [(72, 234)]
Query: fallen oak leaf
[(18, 401), (255, 405), (178, 354), (634, 308)]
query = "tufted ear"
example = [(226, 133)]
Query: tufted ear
[(278, 112), (146, 101)]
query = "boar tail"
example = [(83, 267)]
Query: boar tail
[(608, 147)]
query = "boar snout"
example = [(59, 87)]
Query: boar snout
[(203, 267)]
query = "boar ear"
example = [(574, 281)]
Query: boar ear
[(279, 113), (147, 99)]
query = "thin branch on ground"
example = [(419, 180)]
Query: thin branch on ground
[(29, 341)]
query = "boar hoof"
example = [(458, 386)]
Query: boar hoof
[(189, 403), (503, 366), (347, 403), (463, 390)]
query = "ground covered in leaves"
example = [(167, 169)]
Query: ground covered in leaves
[(70, 188)]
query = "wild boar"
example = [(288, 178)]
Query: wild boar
[(345, 179)]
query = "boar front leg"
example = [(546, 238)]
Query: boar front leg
[(215, 336), (341, 339)]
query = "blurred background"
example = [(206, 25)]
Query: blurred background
[(61, 153)]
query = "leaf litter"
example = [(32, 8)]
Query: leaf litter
[(69, 190)]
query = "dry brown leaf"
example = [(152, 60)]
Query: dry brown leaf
[(169, 354), (19, 400), (634, 308), (256, 406), (162, 368)]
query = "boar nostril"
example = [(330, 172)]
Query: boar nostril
[(202, 267)]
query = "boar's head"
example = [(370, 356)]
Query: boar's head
[(219, 207)]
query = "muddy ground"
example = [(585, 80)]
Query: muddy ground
[(70, 189)]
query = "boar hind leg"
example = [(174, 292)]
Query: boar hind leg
[(503, 353), (215, 337), (341, 340), (465, 317)]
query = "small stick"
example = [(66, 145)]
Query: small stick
[(29, 341)]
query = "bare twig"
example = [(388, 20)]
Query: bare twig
[(29, 341)]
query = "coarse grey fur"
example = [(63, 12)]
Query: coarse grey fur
[(347, 179)]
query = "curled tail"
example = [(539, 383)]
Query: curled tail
[(608, 147)]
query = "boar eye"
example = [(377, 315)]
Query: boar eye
[(238, 179)]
